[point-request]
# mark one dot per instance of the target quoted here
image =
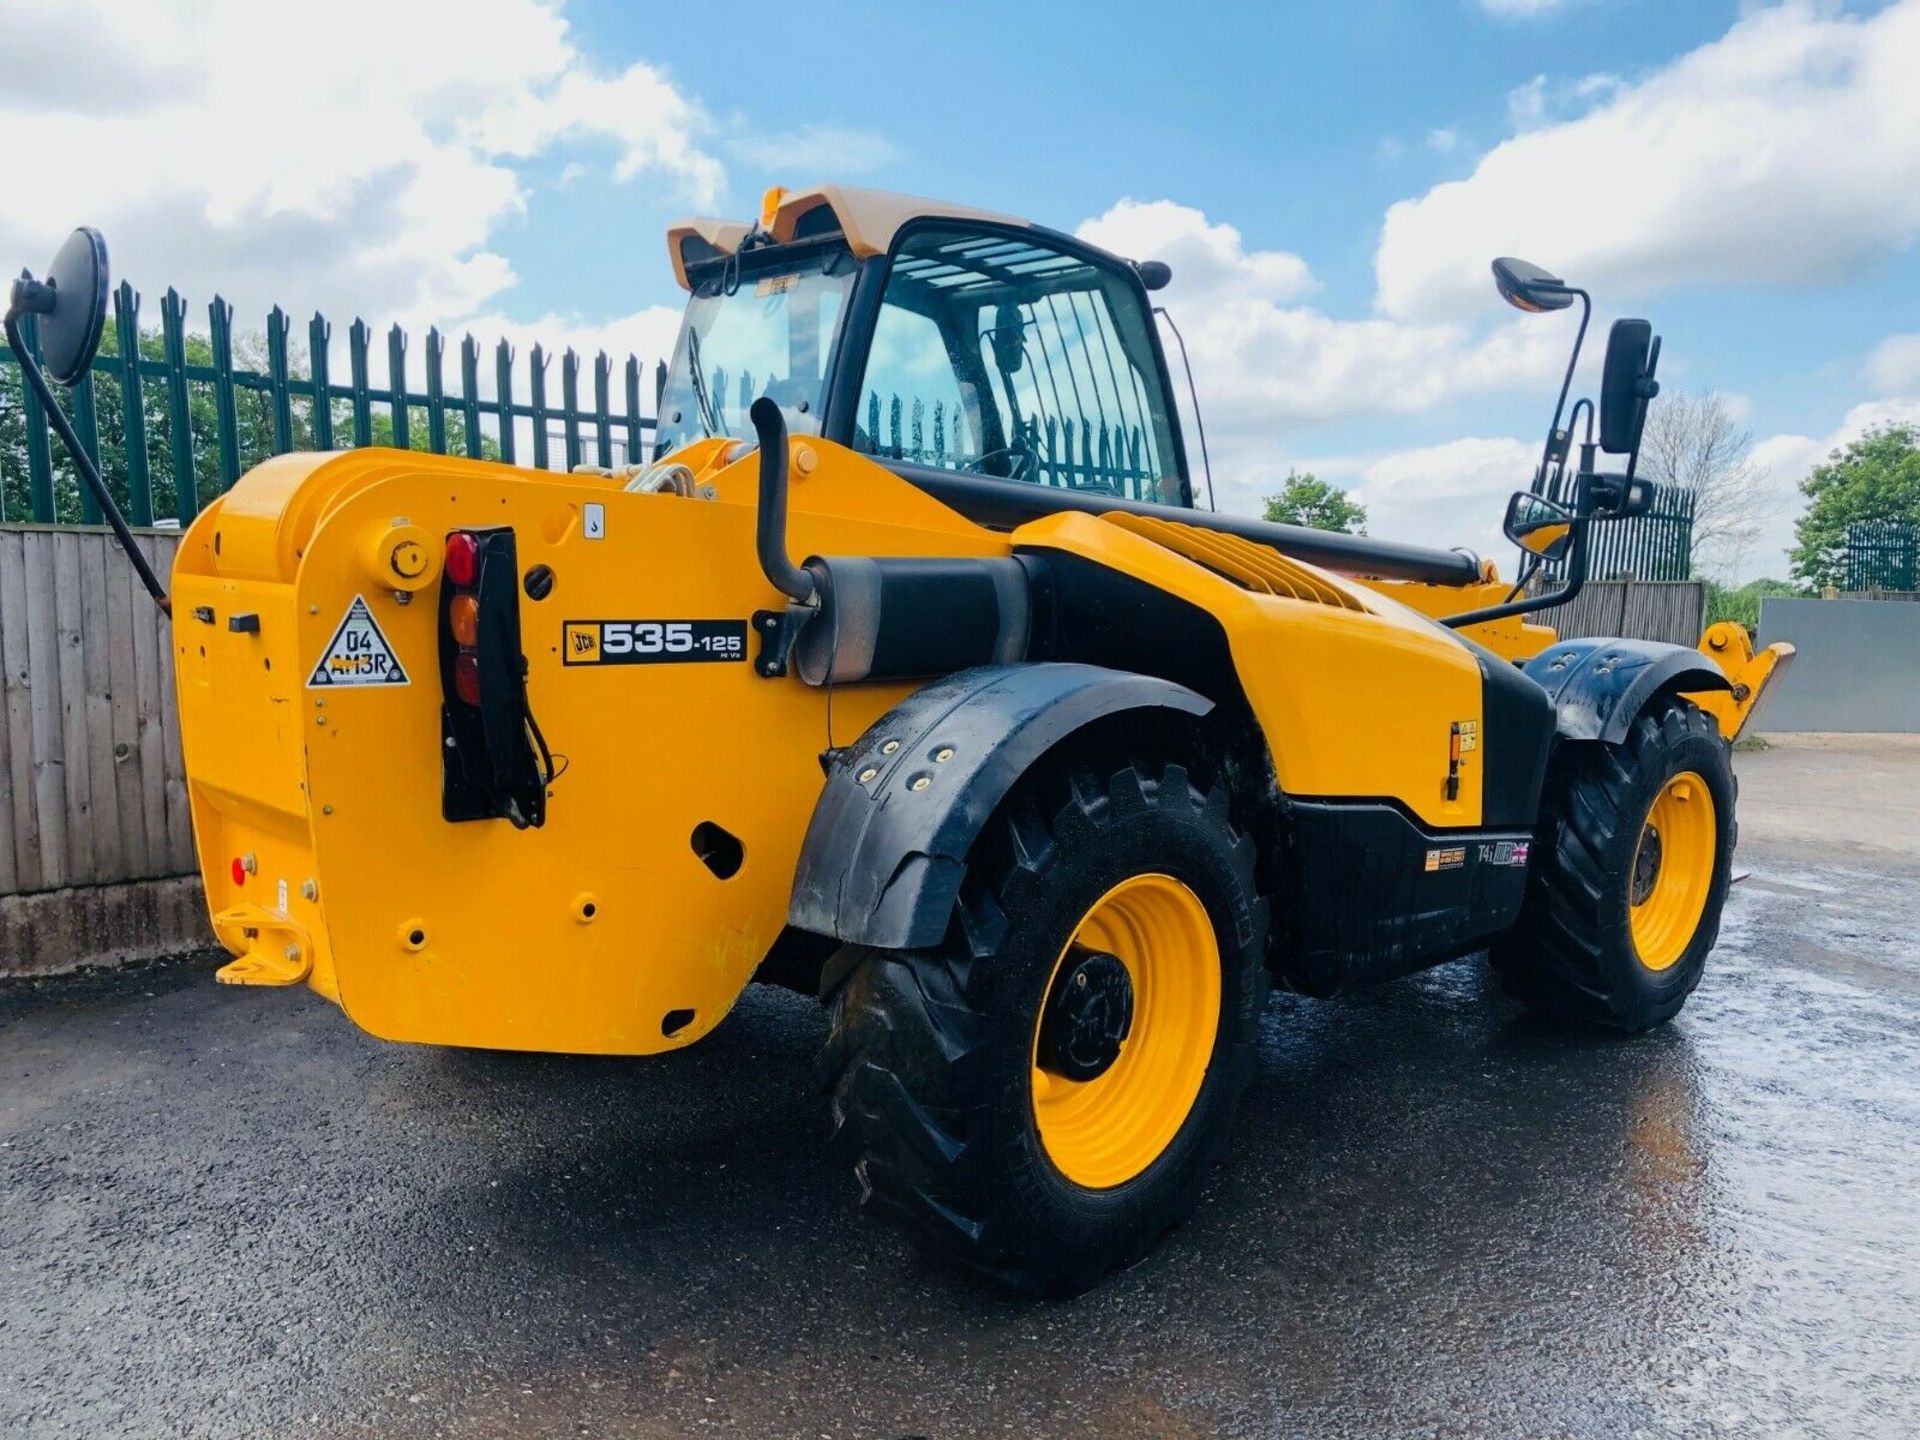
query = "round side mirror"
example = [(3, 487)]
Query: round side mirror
[(1154, 274), (1538, 525), (1526, 286), (70, 330)]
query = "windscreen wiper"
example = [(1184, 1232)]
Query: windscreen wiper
[(697, 382)]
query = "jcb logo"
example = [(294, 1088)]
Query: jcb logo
[(652, 642), (582, 643)]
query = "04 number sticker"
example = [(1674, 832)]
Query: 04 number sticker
[(652, 642)]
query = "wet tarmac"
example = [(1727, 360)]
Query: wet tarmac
[(227, 1213)]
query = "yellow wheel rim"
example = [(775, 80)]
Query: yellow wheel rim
[(1102, 1132), (1672, 870)]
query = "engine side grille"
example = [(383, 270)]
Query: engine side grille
[(1252, 567)]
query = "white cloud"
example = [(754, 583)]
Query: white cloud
[(1453, 493), (1787, 151), (1894, 365), (1267, 366), (366, 169)]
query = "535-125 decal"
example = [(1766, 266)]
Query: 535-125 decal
[(652, 642)]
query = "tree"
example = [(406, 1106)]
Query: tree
[(1305, 499), (1693, 441), (1742, 603), (1875, 477)]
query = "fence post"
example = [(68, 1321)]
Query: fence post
[(362, 392), (39, 448), (470, 392), (226, 423), (318, 334), (602, 417), (86, 424), (397, 386), (126, 329), (436, 392), (503, 383), (537, 374), (570, 400), (280, 401), (173, 333), (636, 453)]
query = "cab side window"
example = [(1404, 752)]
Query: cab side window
[(1003, 355)]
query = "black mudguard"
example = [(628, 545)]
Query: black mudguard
[(887, 846), (1598, 686)]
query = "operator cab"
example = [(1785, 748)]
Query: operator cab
[(941, 341)]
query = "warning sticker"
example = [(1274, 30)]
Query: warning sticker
[(358, 654), (1449, 859)]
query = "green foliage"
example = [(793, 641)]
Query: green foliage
[(1742, 602), (1876, 477), (1305, 499)]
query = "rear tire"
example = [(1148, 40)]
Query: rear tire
[(934, 1063), (1633, 857)]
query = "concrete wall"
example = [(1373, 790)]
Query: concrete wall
[(1858, 666)]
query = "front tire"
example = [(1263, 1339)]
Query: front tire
[(984, 1091), (1633, 860)]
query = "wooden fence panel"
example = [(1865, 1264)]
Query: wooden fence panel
[(91, 786), (1671, 610)]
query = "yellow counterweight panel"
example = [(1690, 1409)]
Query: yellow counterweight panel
[(583, 936), (1354, 701)]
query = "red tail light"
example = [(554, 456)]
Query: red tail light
[(466, 677), (463, 558)]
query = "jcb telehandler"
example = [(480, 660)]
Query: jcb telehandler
[(906, 672)]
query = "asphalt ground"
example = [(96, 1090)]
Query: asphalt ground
[(228, 1213)]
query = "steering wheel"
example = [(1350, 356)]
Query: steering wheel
[(1024, 461)]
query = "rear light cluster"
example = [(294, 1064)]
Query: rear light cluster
[(463, 613), (494, 764)]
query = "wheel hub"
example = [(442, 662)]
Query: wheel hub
[(1646, 864), (1087, 1015)]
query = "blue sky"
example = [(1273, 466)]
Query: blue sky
[(1328, 180)]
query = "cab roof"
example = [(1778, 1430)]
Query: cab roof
[(869, 219)]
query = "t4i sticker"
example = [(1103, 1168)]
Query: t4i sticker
[(358, 654)]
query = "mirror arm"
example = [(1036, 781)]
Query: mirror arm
[(1576, 579), (1566, 383), (29, 367)]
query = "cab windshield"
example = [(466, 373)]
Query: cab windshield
[(754, 327)]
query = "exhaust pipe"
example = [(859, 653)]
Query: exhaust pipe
[(770, 529)]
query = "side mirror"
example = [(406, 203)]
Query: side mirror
[(1525, 286), (1009, 338), (1154, 274), (1627, 385), (1538, 525), (70, 304)]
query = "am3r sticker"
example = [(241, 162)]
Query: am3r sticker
[(652, 642), (358, 654)]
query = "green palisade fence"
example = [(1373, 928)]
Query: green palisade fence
[(173, 420), (1883, 555), (1655, 546)]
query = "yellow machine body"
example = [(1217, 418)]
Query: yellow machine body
[(317, 809)]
